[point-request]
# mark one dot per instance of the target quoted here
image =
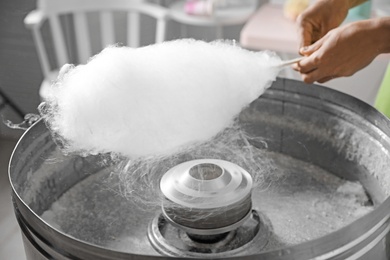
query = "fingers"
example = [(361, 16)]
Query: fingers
[(325, 79), (312, 60), (307, 73), (311, 70), (309, 49), (309, 77), (315, 74), (307, 65), (305, 31)]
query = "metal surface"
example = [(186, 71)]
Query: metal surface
[(174, 241), (206, 196), (306, 131), (207, 210)]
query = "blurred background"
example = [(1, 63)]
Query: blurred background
[(256, 25)]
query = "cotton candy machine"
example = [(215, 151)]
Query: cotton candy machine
[(325, 195)]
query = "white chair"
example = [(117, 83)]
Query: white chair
[(219, 19), (78, 11)]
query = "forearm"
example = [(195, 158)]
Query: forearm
[(381, 28)]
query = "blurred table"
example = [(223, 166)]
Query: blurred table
[(268, 29), (219, 19)]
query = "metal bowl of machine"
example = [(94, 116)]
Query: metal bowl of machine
[(325, 195)]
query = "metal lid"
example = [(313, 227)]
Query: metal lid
[(206, 184), (206, 196)]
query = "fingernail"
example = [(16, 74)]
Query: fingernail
[(304, 48)]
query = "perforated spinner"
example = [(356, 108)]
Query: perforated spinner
[(206, 197), (207, 208)]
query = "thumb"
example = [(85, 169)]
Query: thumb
[(305, 31), (308, 50)]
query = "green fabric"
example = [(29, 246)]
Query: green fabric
[(360, 12), (382, 102)]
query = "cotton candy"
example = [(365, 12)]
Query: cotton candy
[(154, 100)]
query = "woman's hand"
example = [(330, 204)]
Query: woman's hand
[(319, 19), (342, 51)]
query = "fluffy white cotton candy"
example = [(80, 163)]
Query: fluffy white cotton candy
[(157, 99)]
